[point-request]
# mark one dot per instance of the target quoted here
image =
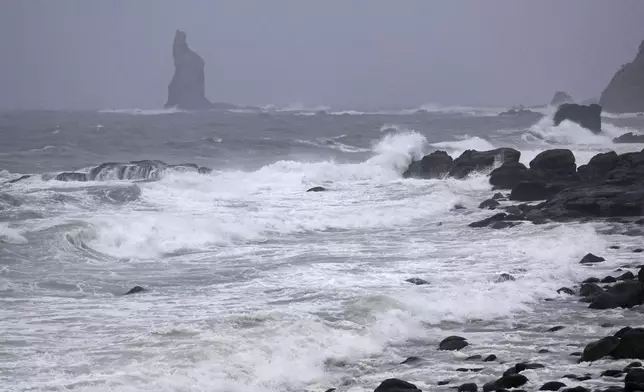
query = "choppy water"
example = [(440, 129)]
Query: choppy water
[(256, 285)]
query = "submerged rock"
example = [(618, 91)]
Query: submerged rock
[(134, 290), (316, 189), (417, 281), (625, 91), (588, 117), (187, 90)]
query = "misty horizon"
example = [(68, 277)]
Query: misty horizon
[(118, 54)]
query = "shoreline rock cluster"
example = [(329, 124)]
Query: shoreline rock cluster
[(609, 185)]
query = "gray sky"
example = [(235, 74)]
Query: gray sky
[(397, 53)]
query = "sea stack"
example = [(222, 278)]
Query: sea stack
[(559, 98), (589, 117), (625, 92), (187, 90)]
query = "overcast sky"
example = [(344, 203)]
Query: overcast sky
[(397, 53)]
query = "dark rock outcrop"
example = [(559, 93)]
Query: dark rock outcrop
[(434, 165), (509, 175), (520, 112), (489, 204), (629, 137), (475, 161), (559, 98), (554, 163), (625, 91), (134, 171), (631, 345), (187, 90), (588, 117), (552, 386), (506, 382)]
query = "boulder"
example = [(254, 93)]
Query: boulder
[(469, 387), (552, 386), (599, 166), (629, 137), (623, 295), (396, 385), (187, 90), (631, 345), (559, 98), (434, 165), (625, 91), (588, 117), (591, 259), (506, 382), (316, 189), (474, 161), (489, 204), (599, 349), (554, 163), (453, 343), (508, 175)]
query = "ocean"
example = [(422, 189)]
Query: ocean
[(255, 285)]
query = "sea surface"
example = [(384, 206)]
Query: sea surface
[(255, 285)]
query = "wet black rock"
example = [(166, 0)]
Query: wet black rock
[(411, 360), (505, 382), (476, 370), (599, 349), (554, 163), (490, 358), (632, 365), (590, 290), (634, 380), (316, 189), (621, 332), (71, 176), (566, 290), (556, 328), (417, 281), (591, 259), (614, 373), (443, 382), (552, 386), (575, 354), (628, 275), (535, 190), (614, 247), (576, 389), (609, 279), (476, 161), (543, 351), (631, 345), (592, 280), (498, 196), (396, 385), (638, 250), (510, 174), (624, 295), (588, 117), (489, 204), (135, 289), (434, 165), (469, 387), (453, 343)]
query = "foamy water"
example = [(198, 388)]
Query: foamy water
[(256, 285)]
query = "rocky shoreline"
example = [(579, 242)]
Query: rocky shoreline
[(618, 353)]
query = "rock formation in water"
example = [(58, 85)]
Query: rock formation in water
[(187, 90), (559, 98), (589, 117), (625, 92)]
